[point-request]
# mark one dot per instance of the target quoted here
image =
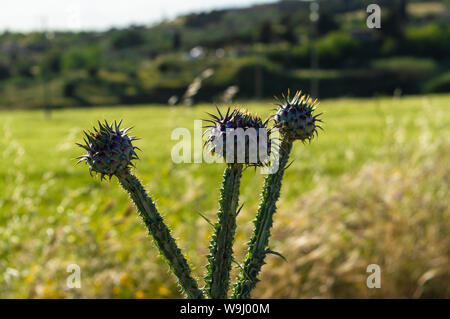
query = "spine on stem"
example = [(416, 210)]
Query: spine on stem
[(295, 121), (239, 152), (217, 278), (161, 234), (263, 222)]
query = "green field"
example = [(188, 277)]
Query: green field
[(373, 188)]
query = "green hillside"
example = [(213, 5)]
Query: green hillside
[(257, 52)]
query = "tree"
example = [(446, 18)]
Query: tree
[(4, 72), (265, 32), (326, 24), (176, 44), (128, 39), (395, 19), (288, 33), (52, 62)]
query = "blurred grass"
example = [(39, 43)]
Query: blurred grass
[(52, 213)]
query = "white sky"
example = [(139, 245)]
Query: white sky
[(27, 15)]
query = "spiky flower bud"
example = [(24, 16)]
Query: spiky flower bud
[(246, 132), (294, 117), (110, 150), (295, 121)]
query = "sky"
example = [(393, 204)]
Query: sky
[(29, 15)]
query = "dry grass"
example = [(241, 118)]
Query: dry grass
[(394, 213)]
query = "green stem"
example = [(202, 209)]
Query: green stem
[(217, 278), (254, 259), (161, 234)]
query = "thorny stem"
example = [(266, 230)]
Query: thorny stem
[(161, 234), (221, 246), (254, 259)]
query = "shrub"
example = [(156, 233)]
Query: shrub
[(407, 65), (52, 62), (128, 39), (432, 40), (4, 72), (336, 48), (438, 84), (407, 73), (289, 56), (81, 58)]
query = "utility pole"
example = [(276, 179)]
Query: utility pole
[(45, 73), (314, 18), (258, 81)]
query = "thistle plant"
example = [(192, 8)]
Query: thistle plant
[(110, 152), (243, 140), (295, 120), (222, 140)]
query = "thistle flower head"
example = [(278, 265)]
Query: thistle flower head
[(109, 149), (239, 136), (294, 117)]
